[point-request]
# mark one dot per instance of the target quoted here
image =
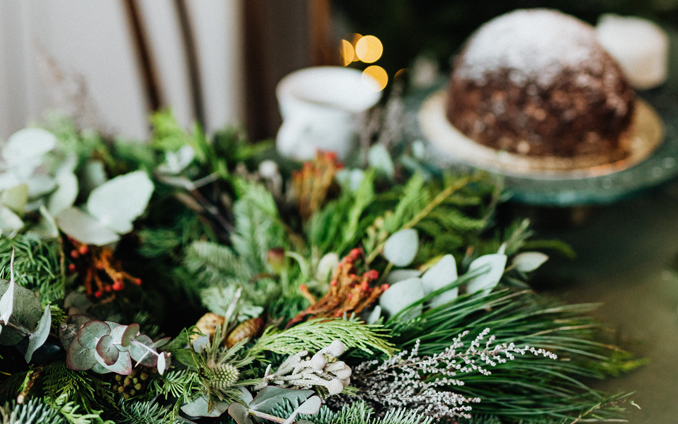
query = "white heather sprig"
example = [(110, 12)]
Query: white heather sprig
[(407, 380)]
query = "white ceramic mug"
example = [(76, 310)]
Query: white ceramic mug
[(320, 107)]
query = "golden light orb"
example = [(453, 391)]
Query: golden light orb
[(347, 52), (369, 49), (376, 73)]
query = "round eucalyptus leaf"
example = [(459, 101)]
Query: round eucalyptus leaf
[(107, 351), (26, 312), (200, 408), (439, 276), (401, 295), (238, 412), (79, 358), (39, 337), (490, 278), (401, 275), (91, 332), (401, 247), (122, 366), (141, 351)]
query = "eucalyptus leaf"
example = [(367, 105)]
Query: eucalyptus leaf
[(439, 276), (90, 333), (64, 196), (401, 295), (9, 221), (200, 408), (239, 413), (401, 247), (310, 407), (47, 226), (488, 280), (141, 351), (85, 228), (162, 363), (121, 200), (15, 198), (122, 366), (529, 261), (27, 144), (79, 358), (379, 159), (7, 299), (271, 396), (124, 334), (374, 315), (39, 337), (27, 312), (107, 351)]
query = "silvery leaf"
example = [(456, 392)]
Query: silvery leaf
[(39, 336), (15, 198), (400, 275), (440, 275), (175, 162), (65, 194), (401, 247), (119, 201), (379, 159), (92, 176), (401, 295), (200, 408), (9, 221), (529, 261), (39, 185), (48, 225), (326, 265), (7, 299), (374, 315), (85, 228), (489, 279), (27, 144), (8, 180)]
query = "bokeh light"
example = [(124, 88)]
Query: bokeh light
[(347, 52), (369, 49), (378, 74)]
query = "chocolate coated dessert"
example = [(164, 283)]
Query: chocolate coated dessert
[(536, 82)]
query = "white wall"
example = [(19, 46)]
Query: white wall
[(93, 39)]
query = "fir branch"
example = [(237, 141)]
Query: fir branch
[(183, 385), (35, 411), (146, 413), (314, 335), (355, 413), (84, 388)]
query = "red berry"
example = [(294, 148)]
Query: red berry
[(108, 288), (333, 283), (71, 267), (349, 296), (331, 156), (74, 254), (354, 254), (117, 285), (98, 294), (364, 286), (137, 281), (83, 249), (303, 287), (372, 274), (384, 287)]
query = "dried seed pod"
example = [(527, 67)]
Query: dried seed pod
[(245, 330), (208, 324)]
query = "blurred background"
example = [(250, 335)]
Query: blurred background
[(218, 61)]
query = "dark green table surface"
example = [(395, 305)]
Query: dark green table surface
[(627, 256)]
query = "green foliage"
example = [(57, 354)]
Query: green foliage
[(145, 413), (528, 386), (71, 411), (83, 388), (35, 411), (183, 385), (356, 413), (316, 334), (37, 265)]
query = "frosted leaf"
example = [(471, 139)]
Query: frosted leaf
[(374, 315), (40, 185), (440, 275), (118, 202), (15, 198), (9, 221), (401, 295), (65, 194), (401, 247), (175, 162), (27, 144), (85, 228), (529, 261), (489, 279)]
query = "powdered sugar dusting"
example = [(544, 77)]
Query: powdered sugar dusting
[(535, 45)]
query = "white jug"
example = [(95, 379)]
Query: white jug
[(320, 107)]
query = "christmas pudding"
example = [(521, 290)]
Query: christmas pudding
[(537, 83)]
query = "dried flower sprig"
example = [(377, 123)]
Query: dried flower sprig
[(422, 383), (312, 183), (303, 372), (348, 293)]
